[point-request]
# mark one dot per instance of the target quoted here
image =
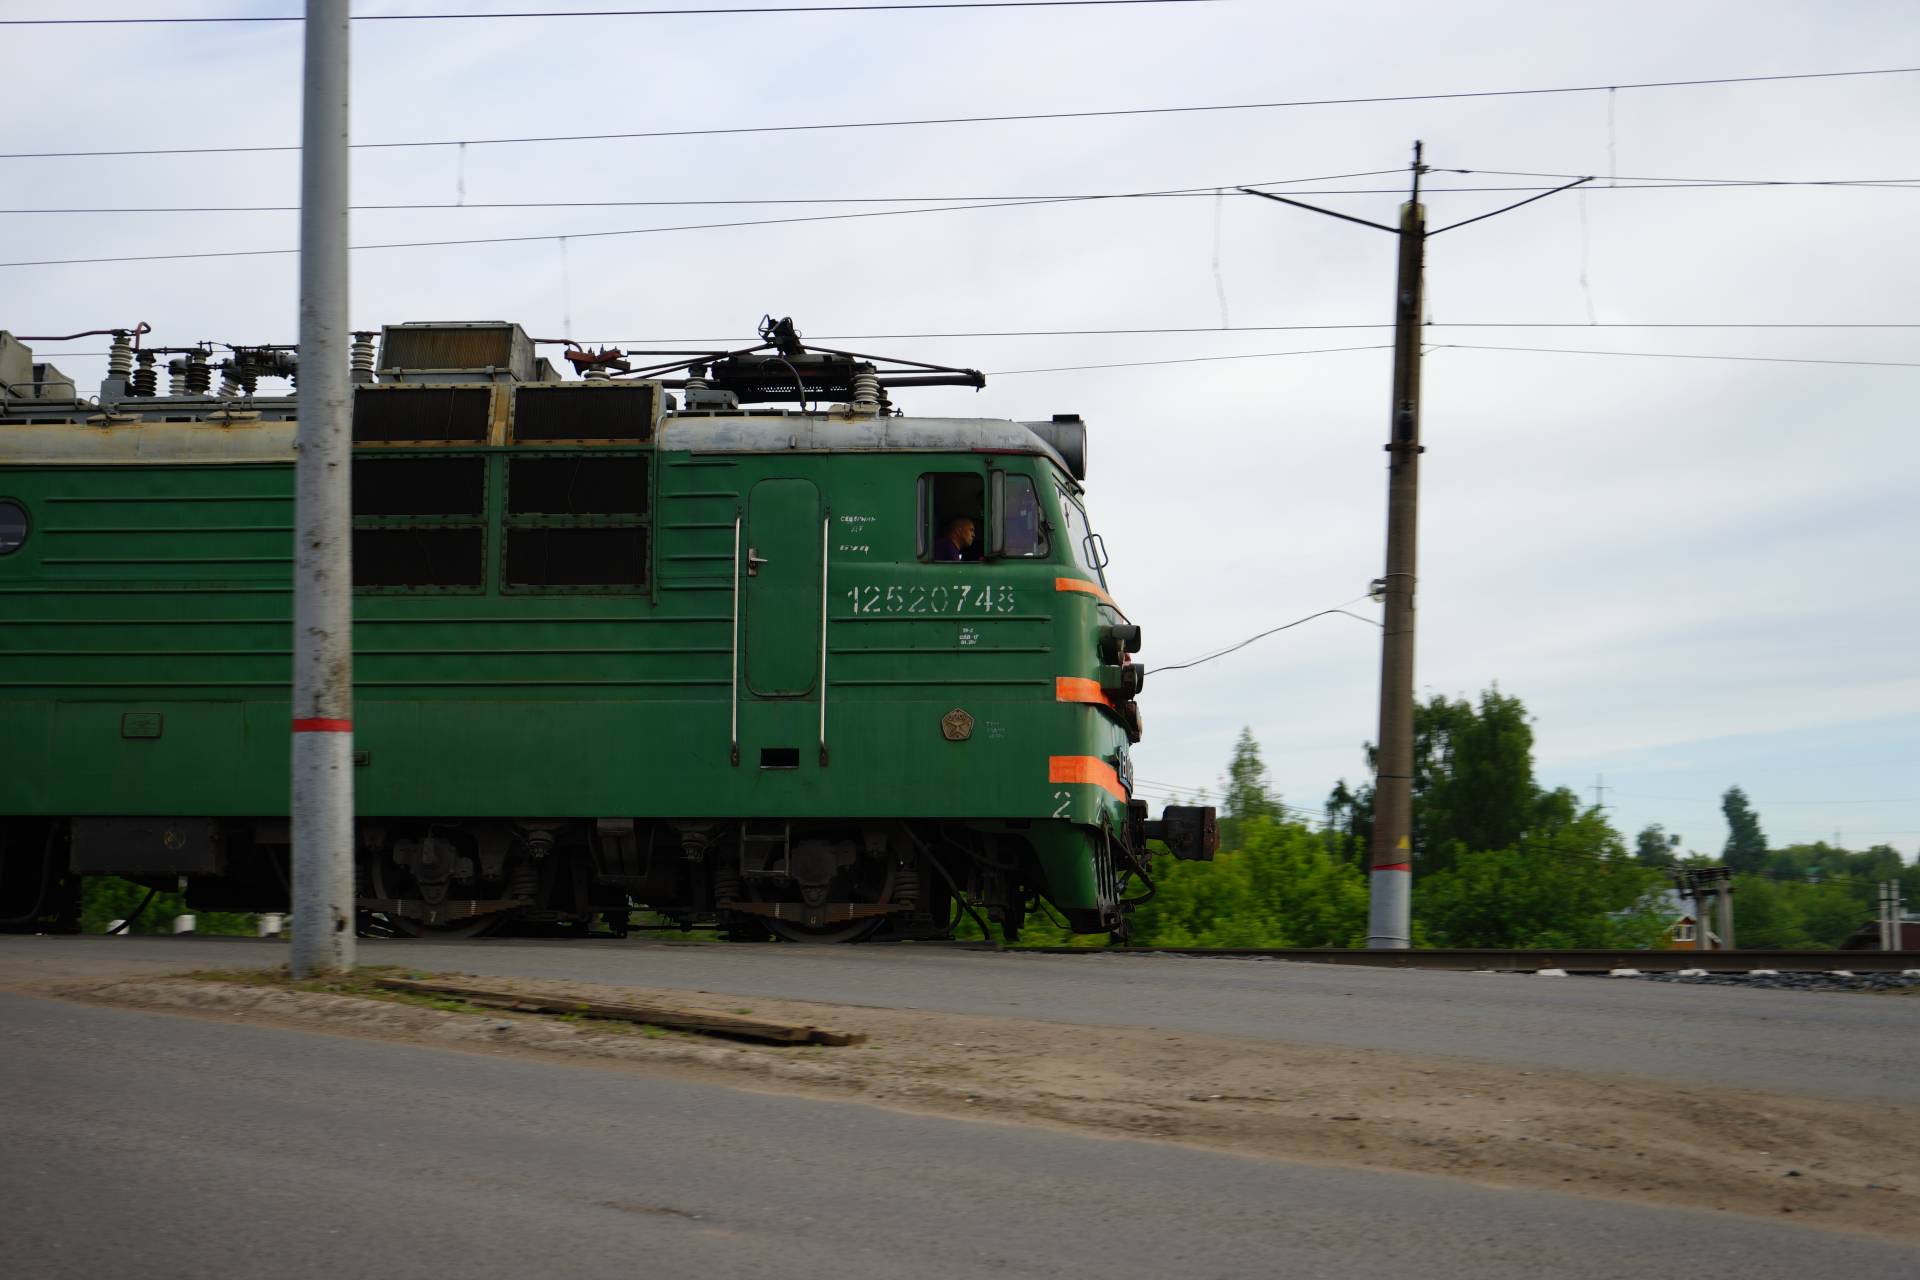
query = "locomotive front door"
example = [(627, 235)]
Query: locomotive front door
[(782, 568)]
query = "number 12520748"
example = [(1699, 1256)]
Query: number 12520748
[(955, 598)]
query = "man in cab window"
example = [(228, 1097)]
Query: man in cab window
[(957, 542)]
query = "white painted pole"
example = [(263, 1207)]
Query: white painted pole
[(323, 520)]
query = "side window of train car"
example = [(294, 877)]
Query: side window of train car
[(1088, 551), (1020, 528), (952, 516)]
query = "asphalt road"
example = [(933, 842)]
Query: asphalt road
[(1826, 1044), (168, 1146)]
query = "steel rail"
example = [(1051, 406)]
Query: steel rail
[(1531, 959)]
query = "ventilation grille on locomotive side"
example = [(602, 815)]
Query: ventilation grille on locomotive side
[(621, 412), (411, 414), (448, 347)]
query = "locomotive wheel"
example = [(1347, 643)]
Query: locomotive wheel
[(381, 868), (853, 931), (869, 885)]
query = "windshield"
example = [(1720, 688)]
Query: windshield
[(1023, 525), (1079, 536)]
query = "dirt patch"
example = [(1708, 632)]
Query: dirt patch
[(1834, 1165)]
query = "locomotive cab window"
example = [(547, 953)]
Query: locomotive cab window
[(1020, 528), (952, 516)]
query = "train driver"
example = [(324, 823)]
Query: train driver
[(957, 542)]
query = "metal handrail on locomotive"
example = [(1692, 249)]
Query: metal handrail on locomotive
[(724, 637)]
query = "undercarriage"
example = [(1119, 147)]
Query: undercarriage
[(749, 879)]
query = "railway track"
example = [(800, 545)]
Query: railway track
[(1529, 959)]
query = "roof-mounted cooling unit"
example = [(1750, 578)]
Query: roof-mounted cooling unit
[(456, 351)]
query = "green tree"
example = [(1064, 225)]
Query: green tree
[(1474, 786), (1250, 793), (1655, 847), (1579, 889), (1746, 847), (1280, 887), (1345, 835), (1473, 783)]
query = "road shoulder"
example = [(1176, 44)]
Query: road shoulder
[(1829, 1164)]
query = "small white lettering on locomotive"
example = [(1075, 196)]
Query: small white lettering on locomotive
[(855, 527)]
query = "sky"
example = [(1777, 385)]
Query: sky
[(1695, 573)]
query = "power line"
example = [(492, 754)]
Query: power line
[(1235, 648), (1457, 346), (595, 13), (1141, 364), (1276, 328), (1881, 184), (1677, 355), (733, 340), (1262, 355), (1025, 117), (1159, 194), (580, 235), (1708, 182), (1641, 795)]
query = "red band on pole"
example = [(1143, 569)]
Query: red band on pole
[(321, 725), (1395, 866)]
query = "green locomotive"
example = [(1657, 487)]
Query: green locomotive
[(638, 639)]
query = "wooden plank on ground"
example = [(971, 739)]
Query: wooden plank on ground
[(730, 1025)]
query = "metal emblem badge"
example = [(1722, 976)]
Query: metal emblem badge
[(957, 725)]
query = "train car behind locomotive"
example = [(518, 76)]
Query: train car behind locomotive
[(646, 638)]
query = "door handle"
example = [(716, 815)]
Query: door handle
[(754, 562)]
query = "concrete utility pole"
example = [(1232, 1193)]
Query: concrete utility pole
[(1694, 890), (1390, 881), (323, 843), (1712, 892), (1891, 909), (1725, 904)]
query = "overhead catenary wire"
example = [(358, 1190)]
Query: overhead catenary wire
[(733, 340), (1020, 118), (576, 235), (1702, 801), (1283, 328), (1707, 182), (195, 255), (1679, 355), (1312, 351), (1141, 364), (882, 6), (1448, 346), (1877, 184)]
